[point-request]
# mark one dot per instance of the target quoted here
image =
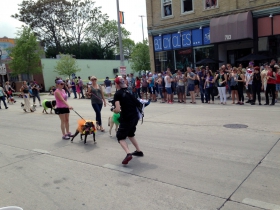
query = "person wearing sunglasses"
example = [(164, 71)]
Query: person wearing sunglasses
[(62, 108)]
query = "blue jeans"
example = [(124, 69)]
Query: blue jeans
[(160, 92), (97, 108), (3, 98), (36, 96), (75, 93), (202, 93)]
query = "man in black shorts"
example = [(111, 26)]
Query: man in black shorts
[(126, 104)]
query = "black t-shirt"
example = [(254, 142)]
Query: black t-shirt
[(127, 103), (34, 89)]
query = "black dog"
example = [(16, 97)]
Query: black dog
[(48, 105), (85, 128)]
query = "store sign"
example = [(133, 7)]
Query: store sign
[(206, 35), (227, 37), (186, 38), (197, 37), (176, 41), (167, 42), (157, 43)]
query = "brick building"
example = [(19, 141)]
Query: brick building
[(182, 32)]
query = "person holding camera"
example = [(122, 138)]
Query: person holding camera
[(126, 105)]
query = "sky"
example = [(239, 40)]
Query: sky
[(131, 8)]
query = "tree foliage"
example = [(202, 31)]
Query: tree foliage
[(105, 33), (26, 54), (128, 46), (66, 65), (140, 57), (59, 23)]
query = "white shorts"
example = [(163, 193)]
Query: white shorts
[(108, 90)]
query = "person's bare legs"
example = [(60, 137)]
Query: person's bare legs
[(192, 96), (135, 143), (67, 123), (62, 123), (233, 96), (124, 146)]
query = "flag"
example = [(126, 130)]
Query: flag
[(121, 15)]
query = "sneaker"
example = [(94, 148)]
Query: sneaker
[(137, 153), (65, 137), (0, 107), (6, 107), (127, 159), (68, 134)]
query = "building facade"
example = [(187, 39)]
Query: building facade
[(183, 32)]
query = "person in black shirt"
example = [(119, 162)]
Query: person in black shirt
[(126, 104), (257, 84)]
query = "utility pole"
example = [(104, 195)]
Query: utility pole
[(120, 35), (142, 25)]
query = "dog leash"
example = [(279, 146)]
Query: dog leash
[(79, 115)]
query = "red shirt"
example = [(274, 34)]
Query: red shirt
[(278, 79), (270, 80), (138, 83)]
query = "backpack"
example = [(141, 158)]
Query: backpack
[(139, 106)]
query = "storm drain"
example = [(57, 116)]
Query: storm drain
[(235, 126)]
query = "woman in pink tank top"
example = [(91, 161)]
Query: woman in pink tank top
[(62, 109)]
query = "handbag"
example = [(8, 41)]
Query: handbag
[(215, 91)]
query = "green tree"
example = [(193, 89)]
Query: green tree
[(140, 57), (59, 22), (105, 33), (26, 54), (66, 65), (128, 46)]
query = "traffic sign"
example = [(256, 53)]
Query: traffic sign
[(122, 70)]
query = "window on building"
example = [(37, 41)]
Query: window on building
[(210, 4), (187, 6), (166, 8)]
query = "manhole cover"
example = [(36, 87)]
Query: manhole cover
[(235, 126)]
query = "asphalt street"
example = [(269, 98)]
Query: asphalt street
[(191, 160)]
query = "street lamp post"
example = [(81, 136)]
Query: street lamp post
[(120, 35), (142, 26)]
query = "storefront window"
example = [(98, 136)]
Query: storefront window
[(184, 58), (269, 46), (164, 60), (203, 52)]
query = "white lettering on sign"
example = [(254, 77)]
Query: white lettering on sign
[(186, 39), (175, 41), (227, 37), (157, 43), (168, 42)]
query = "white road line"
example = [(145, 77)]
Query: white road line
[(41, 151), (261, 204), (118, 168)]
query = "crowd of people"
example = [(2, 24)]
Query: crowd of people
[(210, 85)]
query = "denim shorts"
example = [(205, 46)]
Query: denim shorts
[(168, 90), (277, 87), (191, 87)]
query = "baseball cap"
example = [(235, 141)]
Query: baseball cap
[(120, 82)]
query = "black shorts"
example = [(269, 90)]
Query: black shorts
[(127, 129), (196, 82), (250, 89), (235, 87), (144, 89), (62, 111)]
